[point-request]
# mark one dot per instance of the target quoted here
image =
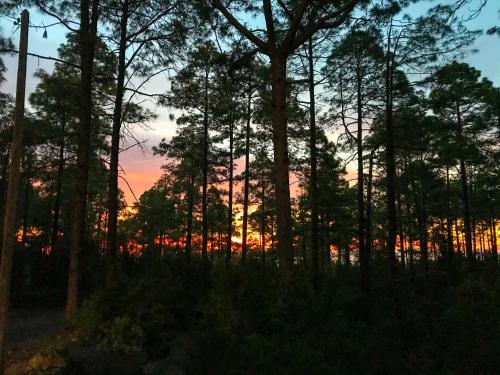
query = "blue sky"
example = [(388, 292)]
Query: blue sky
[(141, 167)]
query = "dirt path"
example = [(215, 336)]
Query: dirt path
[(30, 330)]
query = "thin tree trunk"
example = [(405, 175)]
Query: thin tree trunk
[(115, 137), (212, 240), (474, 236), (474, 223), (449, 229), (189, 219), (489, 236), (465, 195), (422, 231), (2, 191), (323, 259), (219, 241), (364, 261), (467, 216), (26, 202), (410, 237), (494, 251), (273, 237), (401, 232), (390, 160), (457, 234), (368, 230), (88, 31), (247, 177), (281, 163), (263, 240), (9, 229), (98, 231), (57, 202), (339, 257), (347, 253), (443, 246), (433, 246), (313, 183), (204, 215), (230, 188), (422, 215), (263, 219), (5, 168), (482, 242)]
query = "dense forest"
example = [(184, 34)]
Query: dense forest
[(329, 203)]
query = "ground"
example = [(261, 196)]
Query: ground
[(28, 331)]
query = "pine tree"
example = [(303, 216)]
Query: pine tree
[(288, 26)]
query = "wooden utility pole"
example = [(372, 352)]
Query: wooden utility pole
[(9, 229)]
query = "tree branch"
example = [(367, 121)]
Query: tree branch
[(285, 9), (240, 27), (10, 50), (323, 23), (299, 13), (268, 15), (57, 17)]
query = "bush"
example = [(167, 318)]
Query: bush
[(244, 320)]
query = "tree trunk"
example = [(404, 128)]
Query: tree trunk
[(98, 231), (368, 230), (457, 234), (474, 222), (88, 30), (422, 233), (449, 229), (189, 219), (247, 177), (410, 236), (115, 137), (26, 202), (281, 163), (474, 236), (423, 218), (482, 246), (273, 237), (465, 195), (5, 168), (204, 216), (390, 160), (57, 202), (2, 191), (212, 240), (263, 220), (494, 250), (339, 257), (467, 220), (489, 237), (219, 240), (324, 259), (9, 229), (401, 232), (364, 261), (230, 188), (313, 183)]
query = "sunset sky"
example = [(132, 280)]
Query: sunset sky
[(141, 168)]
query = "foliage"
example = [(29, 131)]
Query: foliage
[(245, 321)]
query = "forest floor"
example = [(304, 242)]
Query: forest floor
[(31, 330)]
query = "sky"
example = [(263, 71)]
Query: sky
[(141, 168)]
